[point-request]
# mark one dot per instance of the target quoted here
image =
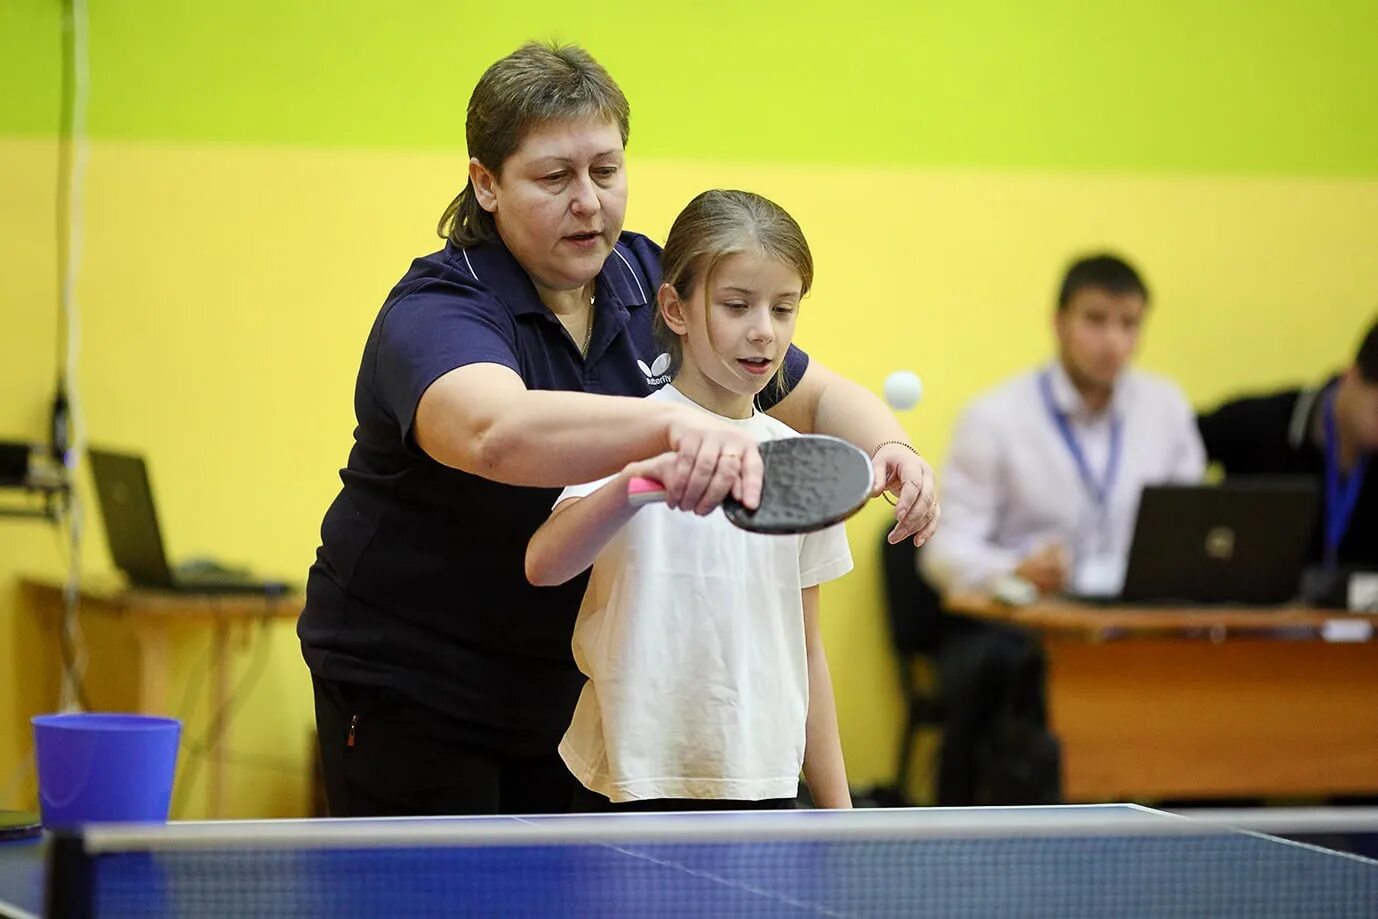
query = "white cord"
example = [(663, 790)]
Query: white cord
[(69, 696), (75, 135)]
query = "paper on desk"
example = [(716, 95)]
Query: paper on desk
[(1347, 630)]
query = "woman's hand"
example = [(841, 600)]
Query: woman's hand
[(906, 475), (713, 459)]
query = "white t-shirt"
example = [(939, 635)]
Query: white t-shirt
[(692, 636)]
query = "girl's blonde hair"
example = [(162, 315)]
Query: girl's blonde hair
[(535, 85), (715, 225)]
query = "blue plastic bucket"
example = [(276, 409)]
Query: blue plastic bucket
[(95, 767)]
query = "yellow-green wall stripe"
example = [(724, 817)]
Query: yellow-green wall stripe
[(1181, 86)]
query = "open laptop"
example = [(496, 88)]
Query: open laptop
[(136, 542), (1243, 541)]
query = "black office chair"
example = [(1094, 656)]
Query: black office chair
[(913, 610)]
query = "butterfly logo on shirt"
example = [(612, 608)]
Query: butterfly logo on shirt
[(655, 373)]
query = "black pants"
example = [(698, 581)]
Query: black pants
[(591, 802), (996, 746), (383, 755)]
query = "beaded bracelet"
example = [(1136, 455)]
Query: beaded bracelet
[(910, 447), (899, 443)]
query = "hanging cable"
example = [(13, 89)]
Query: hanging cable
[(66, 437)]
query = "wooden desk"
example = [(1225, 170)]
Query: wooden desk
[(1203, 702), (150, 617)]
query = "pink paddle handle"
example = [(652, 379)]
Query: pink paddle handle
[(642, 491)]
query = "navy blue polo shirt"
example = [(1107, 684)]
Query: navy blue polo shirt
[(419, 582)]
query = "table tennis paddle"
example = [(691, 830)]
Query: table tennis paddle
[(811, 482)]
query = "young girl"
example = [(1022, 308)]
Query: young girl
[(707, 683)]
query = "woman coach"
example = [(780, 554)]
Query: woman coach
[(506, 365)]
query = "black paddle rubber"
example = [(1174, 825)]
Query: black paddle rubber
[(811, 482)]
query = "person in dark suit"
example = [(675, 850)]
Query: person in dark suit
[(1327, 431)]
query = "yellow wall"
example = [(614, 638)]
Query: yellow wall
[(226, 292)]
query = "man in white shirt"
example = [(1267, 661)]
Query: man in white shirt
[(1045, 471), (1043, 481)]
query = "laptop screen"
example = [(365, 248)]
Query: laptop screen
[(131, 521), (1243, 541)]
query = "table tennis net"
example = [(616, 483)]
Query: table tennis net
[(997, 862)]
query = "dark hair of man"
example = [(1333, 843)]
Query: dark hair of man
[(1105, 271)]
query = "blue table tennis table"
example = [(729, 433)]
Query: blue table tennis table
[(902, 862)]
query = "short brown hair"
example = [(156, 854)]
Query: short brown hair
[(719, 223), (534, 85)]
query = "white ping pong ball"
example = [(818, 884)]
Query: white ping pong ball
[(903, 390)]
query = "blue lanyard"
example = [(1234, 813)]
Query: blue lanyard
[(1100, 491), (1339, 502)]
